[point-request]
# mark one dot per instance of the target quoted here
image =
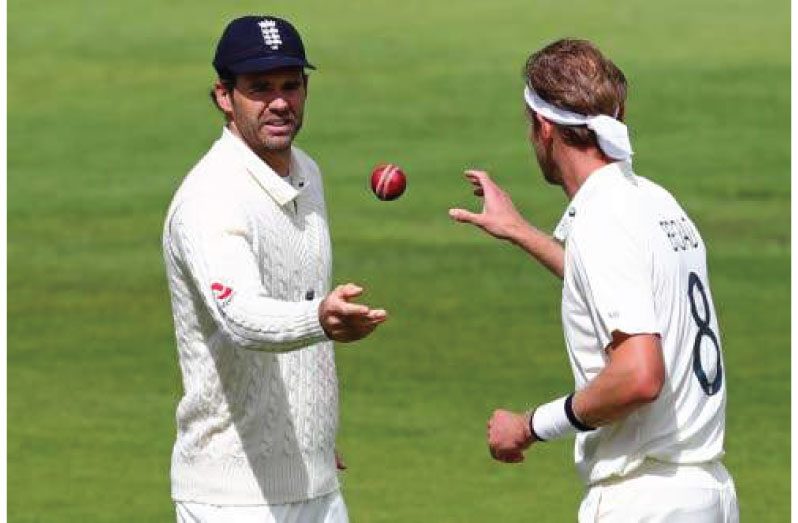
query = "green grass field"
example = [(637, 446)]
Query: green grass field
[(108, 110)]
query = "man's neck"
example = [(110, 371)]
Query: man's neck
[(577, 165), (279, 161)]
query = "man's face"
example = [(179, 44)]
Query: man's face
[(267, 108)]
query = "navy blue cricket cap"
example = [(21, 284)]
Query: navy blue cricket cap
[(253, 44)]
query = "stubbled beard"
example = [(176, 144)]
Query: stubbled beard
[(270, 144), (550, 172), (270, 147)]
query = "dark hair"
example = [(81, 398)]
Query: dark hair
[(573, 75), (229, 83)]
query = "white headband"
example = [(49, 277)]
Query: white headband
[(612, 134)]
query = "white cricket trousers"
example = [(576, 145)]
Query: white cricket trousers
[(323, 509), (662, 492)]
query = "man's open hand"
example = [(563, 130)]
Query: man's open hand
[(344, 320), (499, 217)]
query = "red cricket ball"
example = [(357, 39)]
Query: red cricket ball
[(388, 181)]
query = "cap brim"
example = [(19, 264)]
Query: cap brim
[(262, 64)]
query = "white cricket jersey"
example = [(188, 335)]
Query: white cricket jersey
[(635, 263)]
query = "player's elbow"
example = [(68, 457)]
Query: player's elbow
[(640, 358), (648, 385)]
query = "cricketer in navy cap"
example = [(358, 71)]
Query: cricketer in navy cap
[(258, 43), (248, 257)]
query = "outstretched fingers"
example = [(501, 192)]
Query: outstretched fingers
[(351, 309), (463, 216), (346, 308), (377, 315), (483, 181)]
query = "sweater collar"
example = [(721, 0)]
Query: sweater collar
[(276, 186)]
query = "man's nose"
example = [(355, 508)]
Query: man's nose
[(279, 103)]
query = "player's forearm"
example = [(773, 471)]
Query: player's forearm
[(255, 322), (545, 249), (252, 320), (220, 261), (607, 400), (603, 402), (632, 378), (618, 390)]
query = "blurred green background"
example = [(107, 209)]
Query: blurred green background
[(108, 110)]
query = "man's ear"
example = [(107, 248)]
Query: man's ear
[(224, 98), (544, 127)]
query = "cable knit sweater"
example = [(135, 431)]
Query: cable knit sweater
[(248, 260)]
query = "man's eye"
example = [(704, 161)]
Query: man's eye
[(258, 88)]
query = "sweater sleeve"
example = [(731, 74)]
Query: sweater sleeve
[(213, 246)]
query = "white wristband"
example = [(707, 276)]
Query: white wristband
[(550, 422), (555, 420)]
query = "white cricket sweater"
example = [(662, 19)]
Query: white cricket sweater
[(248, 261)]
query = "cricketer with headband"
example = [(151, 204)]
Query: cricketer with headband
[(641, 330)]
